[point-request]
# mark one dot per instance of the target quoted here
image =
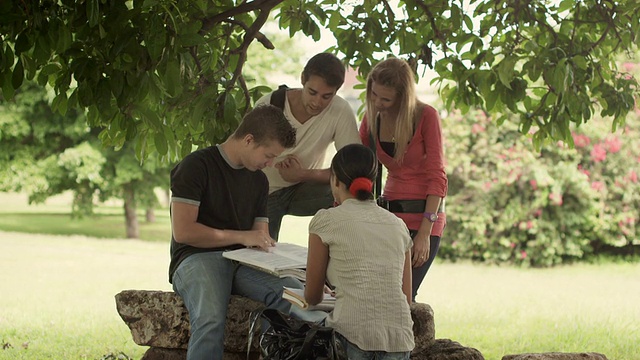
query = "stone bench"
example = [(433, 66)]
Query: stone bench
[(159, 319)]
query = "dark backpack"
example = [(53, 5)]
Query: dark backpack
[(279, 96)]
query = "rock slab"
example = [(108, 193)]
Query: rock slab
[(445, 349), (160, 319), (556, 356)]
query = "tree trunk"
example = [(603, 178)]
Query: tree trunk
[(130, 216), (150, 215)]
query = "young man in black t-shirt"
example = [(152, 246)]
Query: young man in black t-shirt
[(219, 202)]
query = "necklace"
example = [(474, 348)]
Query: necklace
[(391, 130)]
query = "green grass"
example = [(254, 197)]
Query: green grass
[(57, 297), (54, 217), (58, 293), (99, 226)]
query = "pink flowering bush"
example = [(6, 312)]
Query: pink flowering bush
[(508, 203), (611, 164)]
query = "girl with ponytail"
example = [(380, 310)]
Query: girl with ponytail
[(364, 251)]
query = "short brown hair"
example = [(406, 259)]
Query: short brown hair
[(328, 67), (267, 123)]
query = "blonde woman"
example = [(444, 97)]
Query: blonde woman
[(408, 141)]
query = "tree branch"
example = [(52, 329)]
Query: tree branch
[(249, 35), (432, 20), (259, 36), (390, 13), (245, 91), (209, 23)]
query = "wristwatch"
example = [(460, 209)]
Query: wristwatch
[(433, 217)]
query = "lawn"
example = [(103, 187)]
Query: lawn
[(58, 292)]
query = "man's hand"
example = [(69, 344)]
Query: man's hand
[(258, 239), (291, 169)]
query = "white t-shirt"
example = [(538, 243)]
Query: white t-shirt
[(335, 124), (367, 247)]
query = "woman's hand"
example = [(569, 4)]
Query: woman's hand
[(420, 250), (327, 290)]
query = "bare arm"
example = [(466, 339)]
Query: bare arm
[(187, 230), (317, 262), (308, 175), (422, 240), (406, 277)]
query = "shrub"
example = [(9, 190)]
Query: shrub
[(510, 204)]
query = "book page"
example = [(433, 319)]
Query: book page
[(292, 251), (296, 296), (282, 256)]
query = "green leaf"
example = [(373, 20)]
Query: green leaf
[(580, 62), (155, 40), (558, 80), (172, 78), (190, 40), (50, 69), (186, 148), (29, 65), (229, 108), (455, 17), (85, 95), (150, 117), (18, 75), (199, 108), (7, 90), (93, 12), (468, 22), (490, 99), (59, 103), (160, 142), (149, 4), (8, 58), (23, 43), (566, 5), (65, 39), (116, 83), (506, 70)]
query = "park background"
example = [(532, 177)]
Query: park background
[(540, 253)]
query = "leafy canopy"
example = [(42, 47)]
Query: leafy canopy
[(168, 74)]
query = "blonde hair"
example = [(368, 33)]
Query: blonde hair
[(396, 74)]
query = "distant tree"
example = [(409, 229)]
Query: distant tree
[(43, 153), (264, 65), (168, 74)]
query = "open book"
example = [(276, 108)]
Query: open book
[(296, 297), (282, 260)]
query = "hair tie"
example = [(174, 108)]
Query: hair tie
[(361, 183)]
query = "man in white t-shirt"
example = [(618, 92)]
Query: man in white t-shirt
[(298, 182)]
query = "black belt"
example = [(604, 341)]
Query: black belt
[(406, 206)]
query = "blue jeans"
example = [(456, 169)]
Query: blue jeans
[(303, 199), (355, 353), (205, 281), (418, 274)]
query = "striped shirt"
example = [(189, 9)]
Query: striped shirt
[(367, 246)]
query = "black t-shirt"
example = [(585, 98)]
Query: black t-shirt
[(228, 198)]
